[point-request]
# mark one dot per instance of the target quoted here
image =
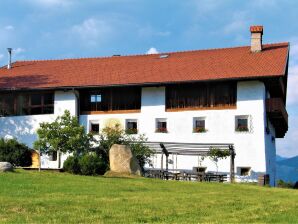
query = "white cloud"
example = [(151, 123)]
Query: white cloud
[(263, 4), (9, 27), (152, 50), (207, 6), (239, 23), (292, 85), (51, 3), (92, 31), (18, 50)]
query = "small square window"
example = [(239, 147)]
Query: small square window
[(243, 171), (131, 126), (94, 127), (241, 124), (95, 98), (199, 125), (161, 125)]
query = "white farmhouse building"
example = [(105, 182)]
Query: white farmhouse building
[(231, 95)]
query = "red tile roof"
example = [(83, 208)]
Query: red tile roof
[(199, 65)]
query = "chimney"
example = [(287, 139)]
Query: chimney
[(9, 58), (256, 38)]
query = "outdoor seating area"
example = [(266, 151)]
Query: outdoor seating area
[(186, 175)]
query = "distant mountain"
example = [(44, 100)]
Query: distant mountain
[(287, 169), (280, 158), (292, 162)]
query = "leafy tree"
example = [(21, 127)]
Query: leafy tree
[(64, 135), (16, 153), (216, 154), (115, 135)]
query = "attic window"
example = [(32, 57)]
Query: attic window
[(163, 56)]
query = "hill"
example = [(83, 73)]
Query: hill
[(33, 197), (287, 169)]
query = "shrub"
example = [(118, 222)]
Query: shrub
[(85, 164), (71, 165), (284, 184), (16, 153), (92, 164)]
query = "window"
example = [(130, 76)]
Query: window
[(243, 171), (26, 103), (94, 127), (53, 156), (95, 98), (131, 126), (242, 123), (201, 95), (110, 99), (199, 125), (161, 125)]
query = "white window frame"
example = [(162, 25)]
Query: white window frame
[(132, 120), (161, 120), (243, 167), (91, 122), (249, 123), (194, 124)]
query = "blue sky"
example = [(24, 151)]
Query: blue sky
[(47, 29)]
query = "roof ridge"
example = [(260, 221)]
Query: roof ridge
[(143, 55)]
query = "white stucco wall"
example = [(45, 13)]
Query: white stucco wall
[(23, 128), (250, 147)]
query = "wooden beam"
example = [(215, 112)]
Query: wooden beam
[(232, 164)]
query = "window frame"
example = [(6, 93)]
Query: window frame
[(242, 129), (94, 122), (161, 129), (131, 131), (199, 129), (21, 103)]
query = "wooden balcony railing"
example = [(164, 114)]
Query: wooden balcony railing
[(278, 115)]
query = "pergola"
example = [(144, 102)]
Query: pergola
[(192, 149)]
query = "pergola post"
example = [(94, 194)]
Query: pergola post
[(161, 164), (232, 163)]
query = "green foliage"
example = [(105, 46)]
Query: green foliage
[(14, 152), (216, 154), (71, 165), (92, 164), (85, 164), (63, 135), (115, 135), (284, 184)]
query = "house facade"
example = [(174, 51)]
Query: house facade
[(231, 96)]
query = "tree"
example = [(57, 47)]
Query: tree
[(64, 135), (216, 154), (14, 152), (115, 135)]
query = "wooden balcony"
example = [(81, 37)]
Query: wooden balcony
[(278, 116)]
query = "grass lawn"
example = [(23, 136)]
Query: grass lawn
[(29, 196)]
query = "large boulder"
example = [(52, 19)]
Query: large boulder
[(5, 166), (122, 160)]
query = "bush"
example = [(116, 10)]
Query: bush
[(86, 164), (71, 165), (91, 164), (284, 184), (16, 153)]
